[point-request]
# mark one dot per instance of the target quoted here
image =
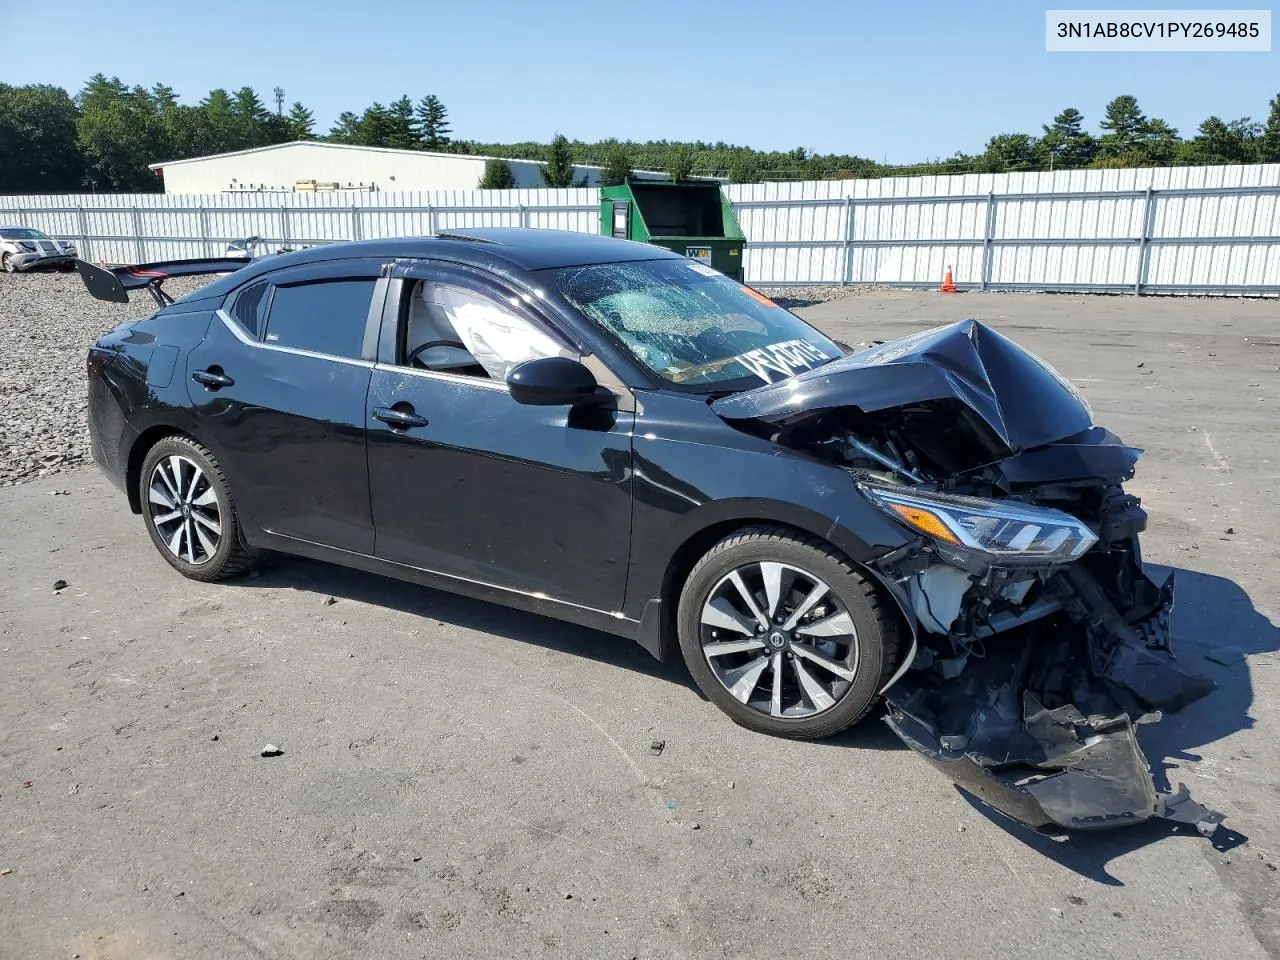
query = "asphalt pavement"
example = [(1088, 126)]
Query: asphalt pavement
[(462, 780)]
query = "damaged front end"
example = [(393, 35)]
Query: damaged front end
[(1040, 642)]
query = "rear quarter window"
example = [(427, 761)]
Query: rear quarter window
[(326, 316), (249, 308)]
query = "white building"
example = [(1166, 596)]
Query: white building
[(309, 165)]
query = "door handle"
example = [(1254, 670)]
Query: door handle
[(213, 378), (399, 417)]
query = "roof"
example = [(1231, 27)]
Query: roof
[(524, 248), (353, 146)]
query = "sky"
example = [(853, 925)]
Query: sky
[(895, 82)]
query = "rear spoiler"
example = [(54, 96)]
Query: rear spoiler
[(114, 283)]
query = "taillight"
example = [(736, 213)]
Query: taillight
[(96, 362)]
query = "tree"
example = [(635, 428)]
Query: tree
[(402, 129), (374, 127), (558, 170), (220, 114), (347, 129), (1124, 124), (301, 122), (1011, 152), (433, 123), (38, 148), (680, 162), (498, 175), (1066, 144), (1269, 143), (119, 132), (744, 169), (617, 165), (1218, 142), (250, 117)]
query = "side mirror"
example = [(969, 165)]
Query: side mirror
[(551, 381)]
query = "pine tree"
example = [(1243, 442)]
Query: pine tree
[(221, 119), (347, 129), (250, 117), (433, 123), (498, 175), (402, 131), (558, 170), (1066, 142), (301, 122), (374, 127), (1124, 124)]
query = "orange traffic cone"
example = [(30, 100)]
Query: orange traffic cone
[(948, 284)]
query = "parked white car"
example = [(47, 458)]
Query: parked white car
[(24, 248)]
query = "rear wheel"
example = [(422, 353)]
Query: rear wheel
[(784, 635), (187, 507)]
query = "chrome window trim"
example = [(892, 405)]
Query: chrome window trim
[(229, 322), (487, 382)]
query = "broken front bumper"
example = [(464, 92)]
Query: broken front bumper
[(1076, 764)]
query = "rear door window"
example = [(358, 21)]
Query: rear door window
[(323, 316)]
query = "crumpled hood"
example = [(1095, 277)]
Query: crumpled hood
[(1021, 398)]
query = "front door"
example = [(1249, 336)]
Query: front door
[(465, 481)]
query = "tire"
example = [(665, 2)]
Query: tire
[(188, 511), (845, 643), (7, 262)]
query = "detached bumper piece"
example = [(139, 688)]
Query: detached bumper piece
[(1044, 731)]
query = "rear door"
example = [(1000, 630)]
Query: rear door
[(470, 483), (279, 386)]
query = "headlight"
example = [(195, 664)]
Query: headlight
[(1007, 529)]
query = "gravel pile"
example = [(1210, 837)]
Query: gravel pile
[(805, 296), (49, 321)]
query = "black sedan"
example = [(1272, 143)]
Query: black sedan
[(610, 434)]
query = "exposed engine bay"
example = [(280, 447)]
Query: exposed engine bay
[(1040, 642)]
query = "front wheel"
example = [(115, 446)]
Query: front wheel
[(6, 261), (784, 635), (187, 507)]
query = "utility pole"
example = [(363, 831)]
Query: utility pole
[(279, 94)]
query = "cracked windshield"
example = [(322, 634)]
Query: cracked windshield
[(691, 324)]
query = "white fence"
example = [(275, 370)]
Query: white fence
[(1207, 230)]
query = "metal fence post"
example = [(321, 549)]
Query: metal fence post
[(524, 215), (1144, 243), (204, 233), (84, 233), (355, 222), (847, 277), (139, 246), (431, 221), (987, 238), (284, 226)]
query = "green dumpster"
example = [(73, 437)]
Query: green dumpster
[(691, 217)]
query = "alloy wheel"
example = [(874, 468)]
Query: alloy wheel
[(184, 509), (779, 640)]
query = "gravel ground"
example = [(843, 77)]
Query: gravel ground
[(53, 320)]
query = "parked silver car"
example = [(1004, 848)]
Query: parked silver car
[(24, 248)]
